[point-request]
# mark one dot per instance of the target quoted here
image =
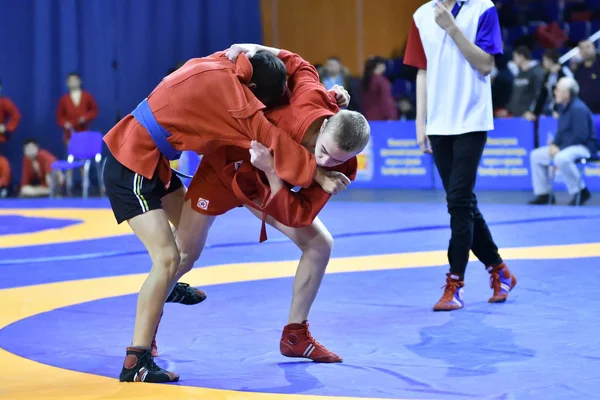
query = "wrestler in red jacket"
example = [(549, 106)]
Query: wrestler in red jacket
[(227, 179), (207, 104)]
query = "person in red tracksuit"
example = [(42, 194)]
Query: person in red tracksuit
[(9, 117), (76, 109), (37, 170), (4, 176)]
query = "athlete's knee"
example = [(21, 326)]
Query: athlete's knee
[(168, 259), (319, 246), (188, 258)]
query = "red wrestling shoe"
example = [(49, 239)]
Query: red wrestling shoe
[(452, 299), (502, 281), (297, 342)]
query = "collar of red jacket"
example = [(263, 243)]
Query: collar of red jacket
[(243, 69)]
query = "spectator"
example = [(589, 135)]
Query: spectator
[(406, 111), (9, 117), (502, 86), (335, 73), (4, 176), (554, 71), (76, 109), (378, 103), (575, 138), (587, 75), (527, 85), (35, 178)]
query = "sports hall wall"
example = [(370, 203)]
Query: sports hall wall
[(356, 29), (121, 48)]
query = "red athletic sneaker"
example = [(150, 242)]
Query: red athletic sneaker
[(297, 342), (502, 281), (452, 299)]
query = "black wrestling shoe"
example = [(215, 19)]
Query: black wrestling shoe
[(580, 198), (542, 199), (185, 294), (139, 366)]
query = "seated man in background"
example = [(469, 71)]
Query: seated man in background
[(37, 167), (575, 138), (4, 176), (227, 180)]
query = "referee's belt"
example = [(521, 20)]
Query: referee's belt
[(143, 114)]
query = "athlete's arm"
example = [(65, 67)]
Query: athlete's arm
[(300, 71), (293, 209)]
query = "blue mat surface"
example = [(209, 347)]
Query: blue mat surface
[(541, 344), (15, 224), (393, 345)]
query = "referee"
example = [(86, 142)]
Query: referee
[(453, 44)]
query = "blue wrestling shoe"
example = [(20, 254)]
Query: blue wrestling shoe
[(183, 293), (452, 299)]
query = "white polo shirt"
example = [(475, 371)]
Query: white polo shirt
[(459, 99)]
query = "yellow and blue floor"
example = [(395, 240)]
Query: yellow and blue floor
[(69, 275)]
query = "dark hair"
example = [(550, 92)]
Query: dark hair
[(553, 55), (75, 74), (523, 51), (350, 129), (269, 76), (30, 141), (370, 66)]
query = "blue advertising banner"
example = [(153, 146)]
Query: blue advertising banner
[(591, 171), (393, 159), (505, 161)]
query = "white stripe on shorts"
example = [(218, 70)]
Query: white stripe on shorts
[(137, 187)]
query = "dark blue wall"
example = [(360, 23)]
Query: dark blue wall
[(43, 40)]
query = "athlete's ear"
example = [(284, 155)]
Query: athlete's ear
[(324, 124), (252, 86)]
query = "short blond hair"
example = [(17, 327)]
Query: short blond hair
[(350, 130)]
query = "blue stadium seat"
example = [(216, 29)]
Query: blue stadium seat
[(595, 25), (514, 33), (579, 30)]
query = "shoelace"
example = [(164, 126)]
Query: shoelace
[(179, 292), (495, 281), (312, 339), (148, 361), (449, 290)]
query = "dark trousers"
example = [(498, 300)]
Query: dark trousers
[(457, 159)]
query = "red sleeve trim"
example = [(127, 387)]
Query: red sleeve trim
[(415, 54)]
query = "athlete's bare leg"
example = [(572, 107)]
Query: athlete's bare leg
[(316, 244), (153, 229)]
